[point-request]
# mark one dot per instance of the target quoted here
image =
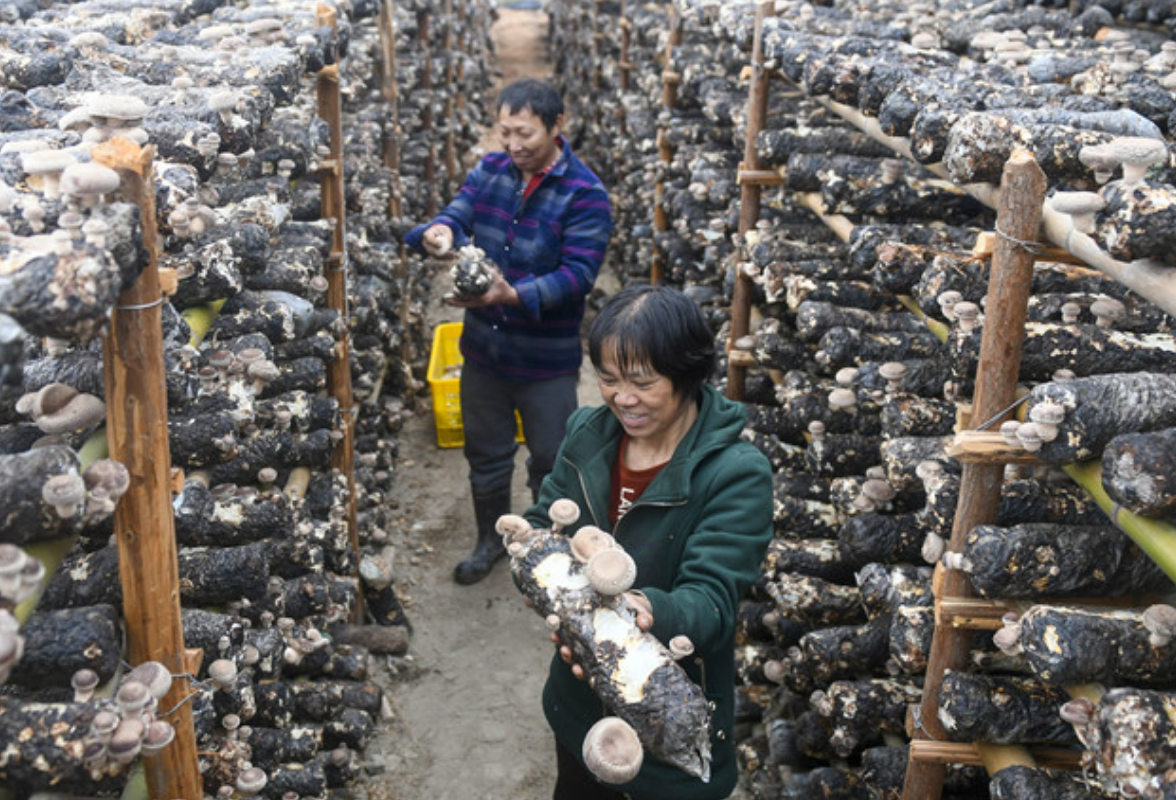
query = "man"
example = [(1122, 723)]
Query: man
[(544, 219)]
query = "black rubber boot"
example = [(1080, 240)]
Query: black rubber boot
[(489, 549)]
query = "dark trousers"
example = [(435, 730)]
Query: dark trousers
[(488, 405), (574, 782)]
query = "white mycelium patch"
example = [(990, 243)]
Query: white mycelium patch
[(641, 654)]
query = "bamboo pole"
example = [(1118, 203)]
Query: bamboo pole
[(749, 200), (1023, 188), (1154, 537), (144, 526), (330, 108)]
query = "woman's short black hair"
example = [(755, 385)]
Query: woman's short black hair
[(535, 95), (658, 327)]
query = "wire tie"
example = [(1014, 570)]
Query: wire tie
[(1029, 247), (1002, 412), (153, 304)]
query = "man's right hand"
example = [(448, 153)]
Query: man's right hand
[(438, 240)]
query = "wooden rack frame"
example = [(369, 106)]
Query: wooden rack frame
[(1022, 191), (144, 525)]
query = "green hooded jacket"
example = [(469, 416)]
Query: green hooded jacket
[(697, 535)]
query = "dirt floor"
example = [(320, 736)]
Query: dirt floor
[(463, 716)]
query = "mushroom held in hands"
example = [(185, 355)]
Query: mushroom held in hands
[(635, 675), (473, 273)]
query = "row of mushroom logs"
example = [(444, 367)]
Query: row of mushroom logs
[(238, 212), (863, 386)]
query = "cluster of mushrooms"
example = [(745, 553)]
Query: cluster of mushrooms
[(887, 127), (226, 96)]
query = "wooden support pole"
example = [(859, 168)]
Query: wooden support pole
[(1023, 188), (426, 60), (665, 153), (749, 197), (330, 108), (144, 526)]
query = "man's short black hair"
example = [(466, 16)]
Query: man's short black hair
[(658, 327), (540, 98)]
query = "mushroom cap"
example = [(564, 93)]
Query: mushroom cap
[(1008, 638), (154, 675), (109, 476), (590, 540), (1141, 150), (564, 512), (612, 752), (513, 528), (252, 780), (222, 100), (127, 738), (222, 672), (1048, 412), (125, 107), (1108, 307), (84, 680), (64, 490), (893, 370), (83, 411), (133, 695), (846, 376), (41, 162), (680, 646), (878, 490), (965, 309), (158, 736), (1160, 619), (1077, 202), (842, 398), (1078, 711), (265, 371), (12, 559), (611, 571), (1099, 157), (88, 179)]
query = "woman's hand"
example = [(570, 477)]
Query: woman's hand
[(438, 240)]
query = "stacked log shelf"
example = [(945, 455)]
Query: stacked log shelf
[(1010, 277)]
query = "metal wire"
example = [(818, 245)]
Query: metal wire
[(1029, 247), (1002, 412)]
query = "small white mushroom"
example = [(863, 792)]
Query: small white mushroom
[(1107, 311), (1160, 621), (85, 184), (1008, 638), (947, 303), (1047, 416), (611, 571), (612, 751), (563, 512), (1138, 154), (1081, 207), (46, 167), (1029, 435), (590, 540), (680, 647), (65, 493), (1101, 159)]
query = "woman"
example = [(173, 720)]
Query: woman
[(661, 465)]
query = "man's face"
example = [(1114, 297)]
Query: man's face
[(527, 141)]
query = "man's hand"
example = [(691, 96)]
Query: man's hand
[(438, 240), (500, 293)]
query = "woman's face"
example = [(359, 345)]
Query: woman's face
[(643, 400), (529, 144)]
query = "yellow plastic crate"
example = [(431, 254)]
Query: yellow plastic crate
[(445, 357)]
